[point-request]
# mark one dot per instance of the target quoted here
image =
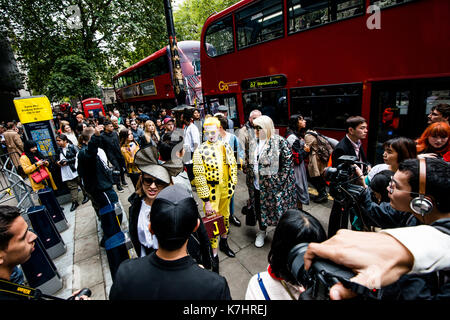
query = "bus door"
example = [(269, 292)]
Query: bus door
[(228, 100), (271, 103), (401, 108)]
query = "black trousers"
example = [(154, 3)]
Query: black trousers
[(258, 210)]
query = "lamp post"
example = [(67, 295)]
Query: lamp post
[(178, 84)]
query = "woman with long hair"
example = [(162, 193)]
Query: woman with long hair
[(33, 161), (295, 137), (294, 227), (151, 135), (395, 151), (129, 147), (271, 175), (434, 141), (66, 129)]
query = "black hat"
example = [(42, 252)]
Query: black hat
[(173, 216)]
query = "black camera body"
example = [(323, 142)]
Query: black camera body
[(322, 275), (340, 178)]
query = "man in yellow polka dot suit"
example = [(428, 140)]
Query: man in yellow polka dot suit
[(215, 172)]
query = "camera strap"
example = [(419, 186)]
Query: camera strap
[(361, 290), (23, 291)]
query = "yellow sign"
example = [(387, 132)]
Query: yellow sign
[(33, 109)]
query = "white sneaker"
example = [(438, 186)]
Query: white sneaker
[(260, 236)]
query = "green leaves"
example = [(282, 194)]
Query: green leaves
[(192, 14), (107, 35)]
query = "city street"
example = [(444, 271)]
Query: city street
[(85, 263)]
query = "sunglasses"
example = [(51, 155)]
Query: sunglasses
[(149, 181), (258, 128), (210, 133)]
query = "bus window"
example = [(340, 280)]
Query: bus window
[(388, 3), (228, 101), (271, 103), (305, 14), (327, 106), (435, 97), (260, 22), (219, 37)]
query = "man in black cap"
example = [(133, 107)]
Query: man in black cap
[(169, 273)]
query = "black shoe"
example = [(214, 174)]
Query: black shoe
[(235, 221), (124, 183), (223, 246), (74, 206), (85, 199), (215, 264), (119, 188), (321, 198)]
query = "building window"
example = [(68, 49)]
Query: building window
[(260, 22), (219, 37), (388, 3)]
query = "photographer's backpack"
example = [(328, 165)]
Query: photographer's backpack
[(324, 148)]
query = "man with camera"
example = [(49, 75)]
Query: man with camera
[(410, 255), (16, 247), (350, 145)]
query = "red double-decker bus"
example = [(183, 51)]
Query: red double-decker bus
[(150, 81), (329, 59)]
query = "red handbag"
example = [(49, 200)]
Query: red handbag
[(40, 174), (214, 225)]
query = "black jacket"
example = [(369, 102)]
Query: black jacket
[(71, 155), (151, 278), (93, 174), (383, 215), (199, 246), (110, 143), (345, 148)]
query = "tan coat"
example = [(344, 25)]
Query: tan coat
[(14, 144), (315, 165), (29, 169)]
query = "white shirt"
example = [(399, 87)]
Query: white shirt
[(145, 237), (72, 137), (66, 173), (191, 140), (274, 288), (429, 247), (259, 149)]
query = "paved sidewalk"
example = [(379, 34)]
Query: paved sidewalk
[(85, 263)]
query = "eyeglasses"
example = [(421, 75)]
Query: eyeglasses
[(258, 128), (392, 187), (157, 182)]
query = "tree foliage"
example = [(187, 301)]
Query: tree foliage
[(72, 77), (108, 35), (192, 14)]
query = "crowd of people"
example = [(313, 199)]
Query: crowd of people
[(168, 157)]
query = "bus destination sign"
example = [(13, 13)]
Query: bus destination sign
[(264, 82)]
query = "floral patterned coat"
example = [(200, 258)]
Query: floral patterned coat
[(276, 179)]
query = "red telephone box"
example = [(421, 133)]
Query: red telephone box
[(92, 104)]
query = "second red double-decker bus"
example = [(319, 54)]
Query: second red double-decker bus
[(150, 81), (386, 60)]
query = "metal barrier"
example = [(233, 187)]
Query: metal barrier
[(12, 185)]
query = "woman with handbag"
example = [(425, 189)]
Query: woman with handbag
[(35, 167), (271, 176), (129, 147)]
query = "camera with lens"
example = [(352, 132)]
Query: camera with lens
[(346, 193), (341, 176), (322, 275)]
